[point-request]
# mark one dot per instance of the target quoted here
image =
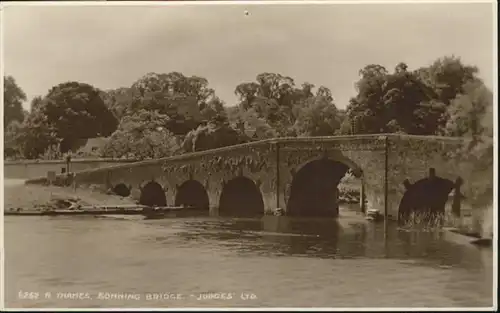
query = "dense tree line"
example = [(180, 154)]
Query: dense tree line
[(166, 114)]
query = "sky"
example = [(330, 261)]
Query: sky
[(324, 44)]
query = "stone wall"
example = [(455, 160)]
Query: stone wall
[(28, 169)]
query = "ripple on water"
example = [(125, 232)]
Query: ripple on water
[(285, 262)]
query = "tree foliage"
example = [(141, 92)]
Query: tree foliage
[(318, 117), (249, 123), (274, 102), (187, 101), (211, 136), (470, 113), (13, 98), (142, 136), (35, 135), (410, 102), (12, 140), (174, 103), (447, 76), (162, 114), (75, 111)]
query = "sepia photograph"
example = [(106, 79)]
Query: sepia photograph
[(298, 155)]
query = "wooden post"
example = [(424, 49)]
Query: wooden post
[(362, 196), (457, 198), (51, 177), (68, 161)]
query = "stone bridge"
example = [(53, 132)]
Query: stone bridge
[(298, 175)]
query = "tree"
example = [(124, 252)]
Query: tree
[(247, 92), (179, 97), (269, 87), (367, 107), (13, 97), (12, 143), (36, 135), (142, 136), (36, 103), (175, 83), (211, 136), (213, 110), (307, 90), (76, 111), (324, 93), (346, 126), (118, 100), (248, 122), (407, 104), (183, 111), (447, 76), (470, 113), (275, 99), (276, 86), (411, 102), (318, 117)]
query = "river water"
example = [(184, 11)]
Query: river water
[(71, 262)]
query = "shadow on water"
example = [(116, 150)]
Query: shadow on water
[(327, 238)]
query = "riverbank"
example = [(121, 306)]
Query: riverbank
[(349, 191), (30, 197)]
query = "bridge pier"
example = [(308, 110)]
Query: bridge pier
[(269, 202), (214, 210)]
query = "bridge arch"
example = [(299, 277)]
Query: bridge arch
[(122, 190), (241, 197), (192, 193), (314, 187), (339, 158), (428, 196), (153, 194)]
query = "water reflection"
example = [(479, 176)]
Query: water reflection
[(289, 261), (329, 238)]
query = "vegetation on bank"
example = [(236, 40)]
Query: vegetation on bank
[(165, 114)]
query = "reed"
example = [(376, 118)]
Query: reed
[(424, 221)]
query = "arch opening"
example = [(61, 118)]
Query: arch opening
[(122, 190), (152, 194), (351, 189), (426, 199), (315, 188), (192, 193), (241, 197)]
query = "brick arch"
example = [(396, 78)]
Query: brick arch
[(428, 196), (121, 189)]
